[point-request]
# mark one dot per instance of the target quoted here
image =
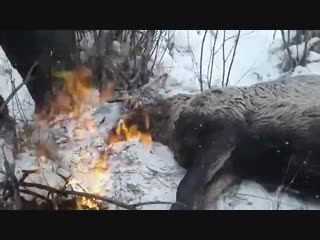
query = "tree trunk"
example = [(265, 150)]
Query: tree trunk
[(48, 47)]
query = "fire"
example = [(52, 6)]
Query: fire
[(78, 86), (77, 93), (84, 203), (96, 178), (128, 130), (101, 172), (74, 102)]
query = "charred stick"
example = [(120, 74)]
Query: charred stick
[(116, 100), (26, 173)]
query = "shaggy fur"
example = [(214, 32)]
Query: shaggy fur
[(267, 132)]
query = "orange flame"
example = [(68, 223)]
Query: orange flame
[(100, 172), (72, 101), (128, 130), (75, 94)]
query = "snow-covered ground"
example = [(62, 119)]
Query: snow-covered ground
[(139, 176)]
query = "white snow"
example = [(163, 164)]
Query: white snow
[(252, 60), (139, 176)]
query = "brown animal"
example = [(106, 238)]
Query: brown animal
[(268, 132)]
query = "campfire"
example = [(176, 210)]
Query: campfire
[(73, 108)]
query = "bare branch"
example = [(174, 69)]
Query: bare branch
[(157, 50), (227, 39), (274, 34), (212, 60), (201, 58), (234, 53), (32, 193), (26, 173), (164, 51), (133, 42), (28, 78), (91, 196), (76, 193), (249, 69), (223, 57), (287, 45), (145, 59), (305, 53)]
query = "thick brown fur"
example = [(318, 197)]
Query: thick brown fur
[(268, 131)]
